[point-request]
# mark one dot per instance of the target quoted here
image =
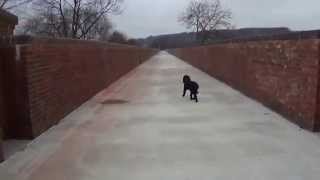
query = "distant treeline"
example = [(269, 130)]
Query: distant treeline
[(185, 39)]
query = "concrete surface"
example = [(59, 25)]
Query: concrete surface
[(12, 146), (141, 128)]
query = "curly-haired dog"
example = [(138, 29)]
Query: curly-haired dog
[(191, 86)]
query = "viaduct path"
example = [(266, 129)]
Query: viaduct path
[(141, 128)]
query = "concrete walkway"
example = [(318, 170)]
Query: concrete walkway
[(142, 129)]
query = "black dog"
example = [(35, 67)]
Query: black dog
[(191, 86)]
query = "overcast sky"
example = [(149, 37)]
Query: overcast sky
[(142, 18)]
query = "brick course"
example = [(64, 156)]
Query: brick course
[(282, 75)]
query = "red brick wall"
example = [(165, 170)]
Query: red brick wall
[(7, 25), (60, 75), (6, 103), (282, 75), (2, 111)]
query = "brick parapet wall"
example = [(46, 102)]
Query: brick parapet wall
[(7, 26), (7, 101), (2, 108), (282, 75), (63, 74)]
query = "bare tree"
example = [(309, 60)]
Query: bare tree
[(12, 4), (40, 25), (205, 16), (118, 37), (79, 19), (101, 30), (132, 42)]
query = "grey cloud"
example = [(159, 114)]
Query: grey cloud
[(142, 18)]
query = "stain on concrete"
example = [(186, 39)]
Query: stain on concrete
[(114, 102)]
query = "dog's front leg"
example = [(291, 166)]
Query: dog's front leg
[(184, 91)]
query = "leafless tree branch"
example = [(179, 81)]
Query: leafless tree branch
[(77, 18), (205, 16), (12, 4)]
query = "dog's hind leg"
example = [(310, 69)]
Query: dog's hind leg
[(191, 96), (196, 97)]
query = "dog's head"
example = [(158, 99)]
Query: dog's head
[(186, 79)]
